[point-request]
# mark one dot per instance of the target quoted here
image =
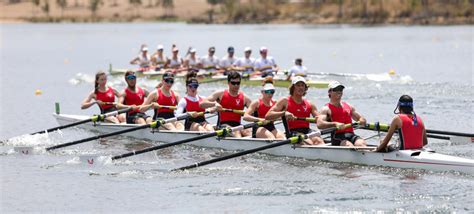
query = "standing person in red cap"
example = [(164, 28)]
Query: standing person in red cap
[(336, 113)]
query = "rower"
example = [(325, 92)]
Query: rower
[(336, 113), (175, 61), (409, 125), (158, 58), (265, 65), (210, 63), (231, 98), (296, 106), (143, 59), (246, 63), (227, 62), (192, 60), (297, 70), (190, 103), (133, 96), (164, 96), (257, 111), (104, 97)]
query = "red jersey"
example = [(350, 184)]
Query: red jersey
[(193, 106), (412, 135), (302, 109), (263, 109), (134, 98), (230, 102), (341, 114), (166, 101), (107, 96)]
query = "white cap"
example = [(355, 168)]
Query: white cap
[(247, 49), (145, 48), (268, 86), (159, 47), (192, 50), (334, 84), (297, 79), (263, 48)]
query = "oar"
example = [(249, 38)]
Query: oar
[(154, 124), (291, 140), (94, 118), (241, 112), (308, 119), (457, 135), (219, 133)]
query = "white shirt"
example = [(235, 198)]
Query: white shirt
[(144, 61), (298, 70), (192, 63), (175, 63), (182, 103), (265, 64), (227, 61), (209, 62), (245, 62)]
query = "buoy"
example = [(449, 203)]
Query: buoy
[(391, 72), (38, 92)]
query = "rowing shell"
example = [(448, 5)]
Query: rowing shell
[(416, 159)]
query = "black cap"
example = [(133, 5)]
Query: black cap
[(192, 81), (230, 49), (212, 48)]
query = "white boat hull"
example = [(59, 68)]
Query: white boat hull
[(416, 159)]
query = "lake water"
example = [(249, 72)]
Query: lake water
[(432, 64)]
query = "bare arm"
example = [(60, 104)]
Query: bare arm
[(88, 101), (148, 103), (248, 116), (358, 117), (323, 120), (134, 61), (211, 101), (396, 124), (278, 110)]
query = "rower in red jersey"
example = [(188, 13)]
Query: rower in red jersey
[(296, 106), (231, 98), (133, 96), (336, 113), (409, 125), (104, 96), (259, 108), (164, 101)]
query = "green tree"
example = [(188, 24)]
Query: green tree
[(211, 11), (94, 7), (136, 4), (168, 7), (45, 7)]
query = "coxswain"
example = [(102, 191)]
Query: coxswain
[(296, 106), (410, 127), (336, 113), (231, 98)]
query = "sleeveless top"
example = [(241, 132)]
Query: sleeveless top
[(230, 102), (144, 61), (107, 96), (166, 101), (134, 98), (341, 114), (302, 109), (263, 109), (412, 136)]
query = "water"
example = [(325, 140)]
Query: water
[(433, 65)]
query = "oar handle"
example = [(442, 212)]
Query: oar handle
[(308, 119), (167, 107), (241, 112)]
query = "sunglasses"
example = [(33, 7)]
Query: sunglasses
[(235, 83), (269, 91), (169, 81), (131, 77), (194, 86)]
